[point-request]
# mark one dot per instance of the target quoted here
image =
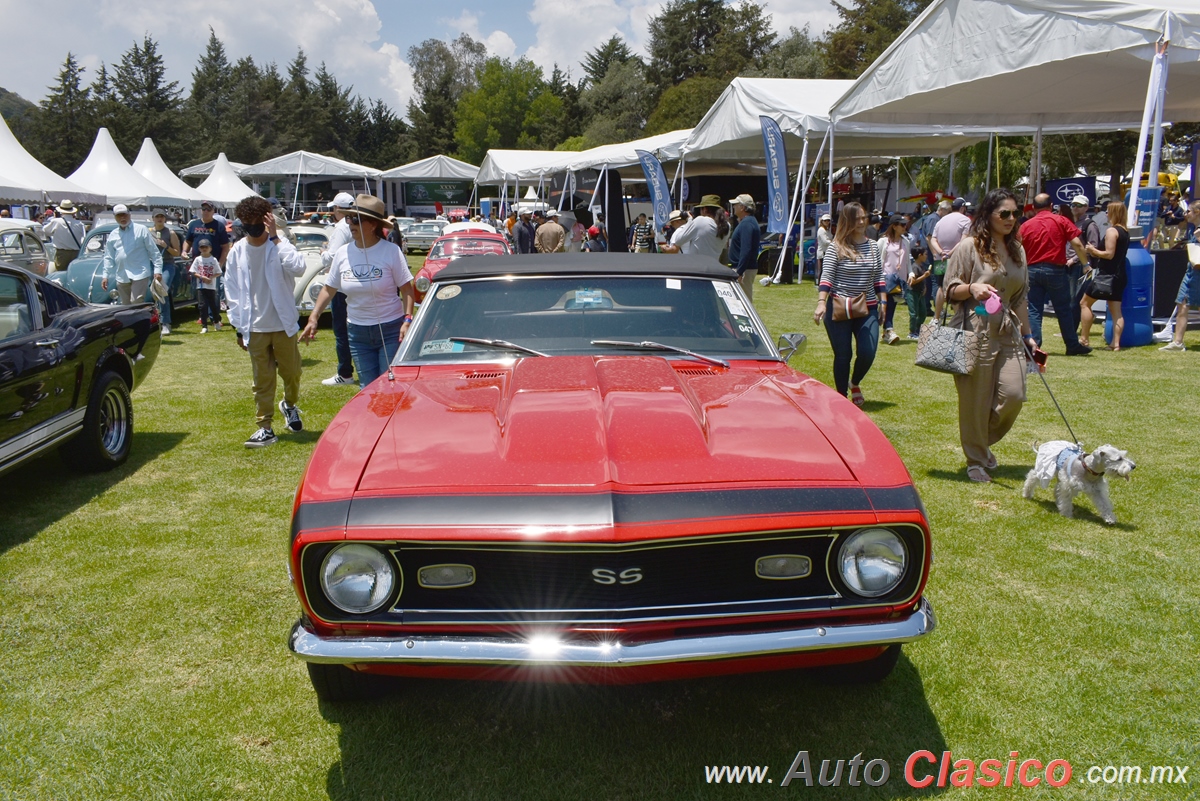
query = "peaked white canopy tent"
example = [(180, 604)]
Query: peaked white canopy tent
[(301, 164), (150, 164), (223, 186), (1018, 65), (27, 180), (106, 171), (206, 167), (434, 168)]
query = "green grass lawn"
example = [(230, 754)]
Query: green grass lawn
[(143, 616)]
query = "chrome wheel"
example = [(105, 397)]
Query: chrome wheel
[(114, 421)]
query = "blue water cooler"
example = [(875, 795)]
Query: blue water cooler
[(1138, 300)]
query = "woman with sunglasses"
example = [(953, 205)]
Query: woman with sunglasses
[(851, 276), (370, 271), (987, 281)]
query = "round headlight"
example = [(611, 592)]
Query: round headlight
[(314, 290), (357, 578), (422, 283), (872, 562)]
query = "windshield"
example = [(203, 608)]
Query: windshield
[(95, 242), (563, 315), (467, 246), (425, 229), (307, 241)]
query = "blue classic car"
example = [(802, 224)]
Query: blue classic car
[(85, 275)]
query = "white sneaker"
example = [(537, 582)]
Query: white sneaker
[(336, 379), (203, 329), (891, 337), (1175, 346), (765, 281), (166, 329)]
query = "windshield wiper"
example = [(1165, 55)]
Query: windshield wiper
[(497, 343), (647, 345)]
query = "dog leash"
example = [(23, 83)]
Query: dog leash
[(1074, 438)]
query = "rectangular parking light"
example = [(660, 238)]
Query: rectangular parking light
[(446, 577), (782, 566)]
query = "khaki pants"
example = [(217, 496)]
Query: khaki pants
[(990, 398), (133, 292), (270, 352), (746, 279), (63, 257)]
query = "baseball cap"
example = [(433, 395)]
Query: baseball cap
[(1080, 200), (744, 200), (207, 204), (825, 217), (159, 213), (342, 200), (594, 231), (120, 208), (552, 213), (897, 219), (958, 203), (203, 243)]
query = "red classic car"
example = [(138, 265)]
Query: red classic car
[(601, 469), (457, 241)]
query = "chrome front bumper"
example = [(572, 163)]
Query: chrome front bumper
[(542, 651)]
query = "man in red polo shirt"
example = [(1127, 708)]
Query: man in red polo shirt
[(1045, 237)]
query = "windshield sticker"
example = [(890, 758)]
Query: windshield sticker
[(732, 302), (448, 292), (436, 347), (674, 283), (589, 297)]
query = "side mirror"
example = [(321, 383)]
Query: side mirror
[(791, 344)]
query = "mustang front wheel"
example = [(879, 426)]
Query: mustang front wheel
[(108, 424)]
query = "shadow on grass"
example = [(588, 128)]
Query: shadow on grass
[(307, 362), (45, 490), (1084, 513), (441, 739), (876, 406)]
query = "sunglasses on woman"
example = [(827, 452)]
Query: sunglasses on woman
[(1007, 214), (353, 219)]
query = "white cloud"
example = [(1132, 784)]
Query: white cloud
[(818, 15), (498, 42), (567, 31)]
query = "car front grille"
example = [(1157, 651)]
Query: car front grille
[(583, 584)]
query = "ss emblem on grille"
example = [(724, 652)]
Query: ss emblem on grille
[(630, 575)]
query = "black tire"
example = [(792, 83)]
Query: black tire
[(337, 683), (870, 672), (107, 432)]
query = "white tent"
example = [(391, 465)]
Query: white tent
[(502, 166), (434, 168), (206, 167), (995, 64), (303, 163), (150, 164), (106, 171), (666, 147), (223, 185), (24, 175), (731, 131)]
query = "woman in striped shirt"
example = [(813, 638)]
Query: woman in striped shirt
[(852, 267)]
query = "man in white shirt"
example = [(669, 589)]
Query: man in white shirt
[(131, 257), (260, 282), (699, 237), (66, 234), (339, 237)]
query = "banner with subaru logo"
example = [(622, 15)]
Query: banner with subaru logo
[(1064, 190), (777, 176), (656, 183)]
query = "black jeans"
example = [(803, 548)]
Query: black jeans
[(209, 304), (341, 336)]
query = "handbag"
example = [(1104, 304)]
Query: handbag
[(847, 308), (1102, 284), (946, 349)]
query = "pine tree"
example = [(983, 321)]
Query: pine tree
[(210, 100), (65, 127), (596, 63), (149, 104)]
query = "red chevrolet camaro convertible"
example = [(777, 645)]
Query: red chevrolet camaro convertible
[(601, 469)]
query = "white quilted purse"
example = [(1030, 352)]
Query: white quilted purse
[(947, 349)]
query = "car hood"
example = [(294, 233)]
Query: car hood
[(585, 422)]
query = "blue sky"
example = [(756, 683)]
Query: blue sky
[(363, 43)]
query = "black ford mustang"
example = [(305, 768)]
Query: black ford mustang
[(66, 370)]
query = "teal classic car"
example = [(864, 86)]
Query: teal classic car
[(85, 275)]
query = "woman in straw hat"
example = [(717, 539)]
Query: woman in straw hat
[(370, 271)]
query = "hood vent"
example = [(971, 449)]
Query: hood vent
[(476, 375), (696, 371)]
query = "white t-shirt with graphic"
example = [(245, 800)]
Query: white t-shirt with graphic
[(370, 279)]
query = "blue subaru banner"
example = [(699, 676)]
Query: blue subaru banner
[(777, 176), (660, 190), (1147, 207), (1064, 190)]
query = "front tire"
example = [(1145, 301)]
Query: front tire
[(872, 671), (337, 683), (107, 432)]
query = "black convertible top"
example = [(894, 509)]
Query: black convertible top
[(584, 264)]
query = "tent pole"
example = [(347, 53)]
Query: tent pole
[(950, 179), (832, 134), (296, 194), (1147, 114), (803, 194), (987, 174), (675, 180), (1156, 151), (682, 180), (1039, 156)]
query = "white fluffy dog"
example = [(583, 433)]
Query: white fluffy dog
[(1078, 472)]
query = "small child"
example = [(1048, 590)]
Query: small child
[(916, 293), (206, 269)]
